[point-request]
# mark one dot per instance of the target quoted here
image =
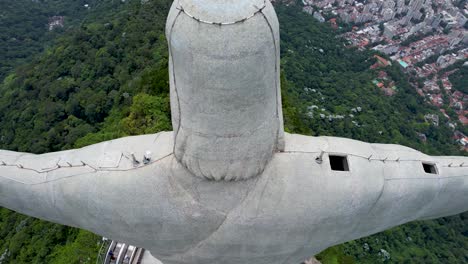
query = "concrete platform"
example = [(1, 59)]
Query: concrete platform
[(149, 259)]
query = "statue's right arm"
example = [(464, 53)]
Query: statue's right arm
[(385, 184)]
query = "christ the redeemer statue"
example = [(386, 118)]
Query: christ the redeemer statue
[(228, 186)]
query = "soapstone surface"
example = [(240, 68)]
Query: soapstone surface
[(225, 89), (228, 186), (296, 208), (149, 259)]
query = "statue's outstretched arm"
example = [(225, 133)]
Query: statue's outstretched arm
[(331, 190), (323, 191), (112, 190), (62, 186), (409, 185), (302, 196)]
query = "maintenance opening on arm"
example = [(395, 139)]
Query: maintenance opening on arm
[(338, 163), (429, 168)]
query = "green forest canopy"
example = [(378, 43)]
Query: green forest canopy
[(24, 28)]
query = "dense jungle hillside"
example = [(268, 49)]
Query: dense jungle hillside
[(25, 30), (107, 77)]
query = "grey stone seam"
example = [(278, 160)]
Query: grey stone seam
[(70, 166), (156, 138), (286, 259), (45, 170), (429, 204), (175, 82), (260, 9), (247, 133), (376, 200), (222, 223), (267, 181), (276, 79), (370, 159), (381, 192), (2, 163), (276, 58), (80, 174), (423, 209), (116, 168), (200, 243), (427, 178), (174, 181)]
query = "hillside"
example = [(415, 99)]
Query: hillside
[(27, 26), (323, 74), (108, 78)]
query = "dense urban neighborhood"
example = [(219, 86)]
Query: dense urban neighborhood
[(428, 39)]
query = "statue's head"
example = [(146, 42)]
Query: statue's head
[(225, 96)]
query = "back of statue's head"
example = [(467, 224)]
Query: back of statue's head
[(225, 99)]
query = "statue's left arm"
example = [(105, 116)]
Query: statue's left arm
[(26, 185), (61, 187), (111, 189)]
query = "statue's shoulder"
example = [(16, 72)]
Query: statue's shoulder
[(136, 150), (346, 146), (121, 154), (309, 144)]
